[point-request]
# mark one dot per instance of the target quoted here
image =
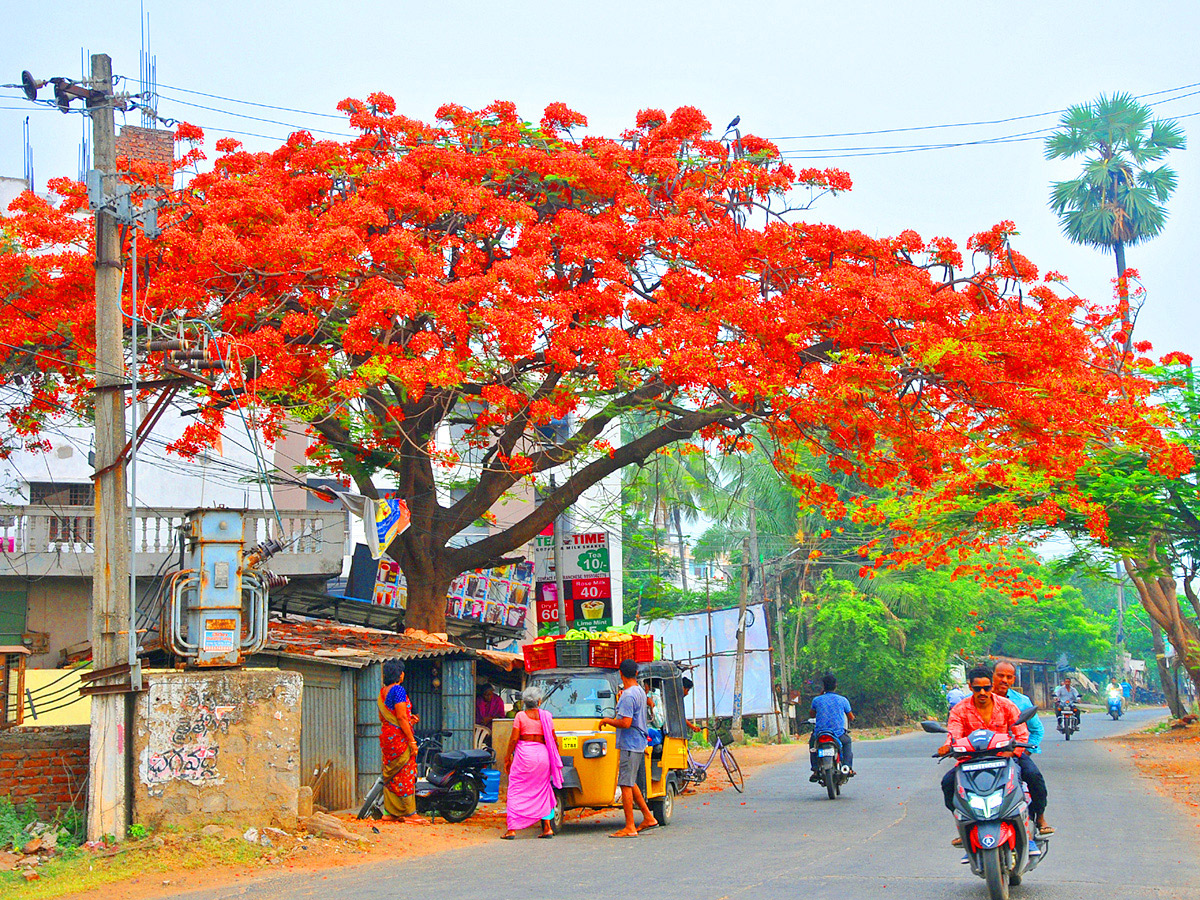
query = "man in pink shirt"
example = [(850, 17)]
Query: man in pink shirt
[(984, 709)]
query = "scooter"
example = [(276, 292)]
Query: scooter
[(1114, 707), (1068, 720), (451, 787), (991, 808)]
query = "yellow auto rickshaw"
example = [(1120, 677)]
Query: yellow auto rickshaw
[(578, 698)]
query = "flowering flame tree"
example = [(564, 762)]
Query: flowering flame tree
[(533, 287)]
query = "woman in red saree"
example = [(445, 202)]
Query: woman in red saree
[(399, 746)]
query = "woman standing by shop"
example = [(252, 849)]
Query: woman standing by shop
[(399, 746), (534, 768)]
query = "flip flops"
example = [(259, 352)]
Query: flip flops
[(619, 835)]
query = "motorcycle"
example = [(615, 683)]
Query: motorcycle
[(450, 788), (830, 770), (991, 808), (1114, 706), (1068, 719)]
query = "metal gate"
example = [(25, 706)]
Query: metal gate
[(458, 702)]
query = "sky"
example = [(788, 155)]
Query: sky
[(788, 69)]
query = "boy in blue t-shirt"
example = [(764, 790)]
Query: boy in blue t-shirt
[(832, 713)]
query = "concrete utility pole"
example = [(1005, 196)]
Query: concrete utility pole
[(1120, 621), (739, 667), (108, 784), (558, 569)]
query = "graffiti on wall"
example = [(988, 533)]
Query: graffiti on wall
[(185, 743)]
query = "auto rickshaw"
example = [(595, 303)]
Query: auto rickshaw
[(578, 698)]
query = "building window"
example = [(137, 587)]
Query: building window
[(66, 529), (50, 493)]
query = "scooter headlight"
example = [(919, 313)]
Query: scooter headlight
[(987, 805)]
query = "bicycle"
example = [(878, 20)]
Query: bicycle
[(697, 772)]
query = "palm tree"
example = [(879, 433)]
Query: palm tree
[(1118, 200)]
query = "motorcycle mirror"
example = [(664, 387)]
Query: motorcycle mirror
[(1027, 715), (934, 727)]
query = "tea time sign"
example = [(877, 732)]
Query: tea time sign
[(587, 582)]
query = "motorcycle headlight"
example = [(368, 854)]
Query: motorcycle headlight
[(987, 805), (594, 749)]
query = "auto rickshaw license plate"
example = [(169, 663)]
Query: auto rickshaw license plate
[(570, 743)]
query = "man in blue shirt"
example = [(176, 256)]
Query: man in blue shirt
[(832, 713), (632, 731), (1003, 679)]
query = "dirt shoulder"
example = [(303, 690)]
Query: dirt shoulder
[(169, 864), (1170, 757)]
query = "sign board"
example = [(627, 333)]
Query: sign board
[(587, 582)]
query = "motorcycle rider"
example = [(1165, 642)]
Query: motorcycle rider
[(1003, 678), (983, 709), (1115, 692), (1064, 696), (832, 713)]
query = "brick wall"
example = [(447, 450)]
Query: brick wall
[(147, 145), (48, 765)]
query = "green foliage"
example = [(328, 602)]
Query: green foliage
[(13, 820), (138, 831)]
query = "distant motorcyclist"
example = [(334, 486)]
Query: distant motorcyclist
[(832, 713), (1116, 693), (1065, 697), (1003, 679)]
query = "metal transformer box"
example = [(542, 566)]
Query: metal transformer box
[(216, 607)]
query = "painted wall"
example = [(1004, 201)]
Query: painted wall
[(221, 745)]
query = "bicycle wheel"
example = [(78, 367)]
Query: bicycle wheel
[(733, 770)]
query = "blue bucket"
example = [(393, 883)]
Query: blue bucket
[(491, 786)]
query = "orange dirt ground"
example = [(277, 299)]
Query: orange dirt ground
[(387, 841), (1172, 759)]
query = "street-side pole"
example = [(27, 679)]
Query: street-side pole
[(740, 663), (1120, 622), (108, 787), (558, 569), (784, 680)]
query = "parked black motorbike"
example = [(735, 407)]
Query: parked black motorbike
[(991, 808), (451, 786)]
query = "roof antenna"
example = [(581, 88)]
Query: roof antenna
[(147, 75), (28, 159)]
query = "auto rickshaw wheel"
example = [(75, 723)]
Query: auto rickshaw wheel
[(560, 812), (664, 807)]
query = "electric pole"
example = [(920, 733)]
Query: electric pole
[(739, 667), (109, 788), (1120, 623)]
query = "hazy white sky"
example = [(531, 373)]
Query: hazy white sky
[(787, 69)]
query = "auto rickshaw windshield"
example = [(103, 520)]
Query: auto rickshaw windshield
[(582, 696)]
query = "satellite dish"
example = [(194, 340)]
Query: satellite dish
[(30, 85)]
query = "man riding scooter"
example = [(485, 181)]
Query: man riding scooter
[(832, 713), (984, 709), (1065, 697), (1116, 698)]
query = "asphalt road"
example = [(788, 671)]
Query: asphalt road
[(887, 836)]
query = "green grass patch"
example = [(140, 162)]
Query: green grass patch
[(79, 870)]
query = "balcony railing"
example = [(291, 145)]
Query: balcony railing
[(36, 540)]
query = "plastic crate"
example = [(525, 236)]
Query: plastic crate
[(539, 656), (643, 648), (606, 654), (572, 654)]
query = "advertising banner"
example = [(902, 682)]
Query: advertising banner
[(587, 582), (708, 641)]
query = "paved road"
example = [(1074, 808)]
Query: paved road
[(888, 836)]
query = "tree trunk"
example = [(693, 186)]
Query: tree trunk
[(1159, 598), (426, 608), (1164, 673), (678, 516), (1123, 295)]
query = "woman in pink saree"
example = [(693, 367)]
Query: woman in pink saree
[(534, 768)]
